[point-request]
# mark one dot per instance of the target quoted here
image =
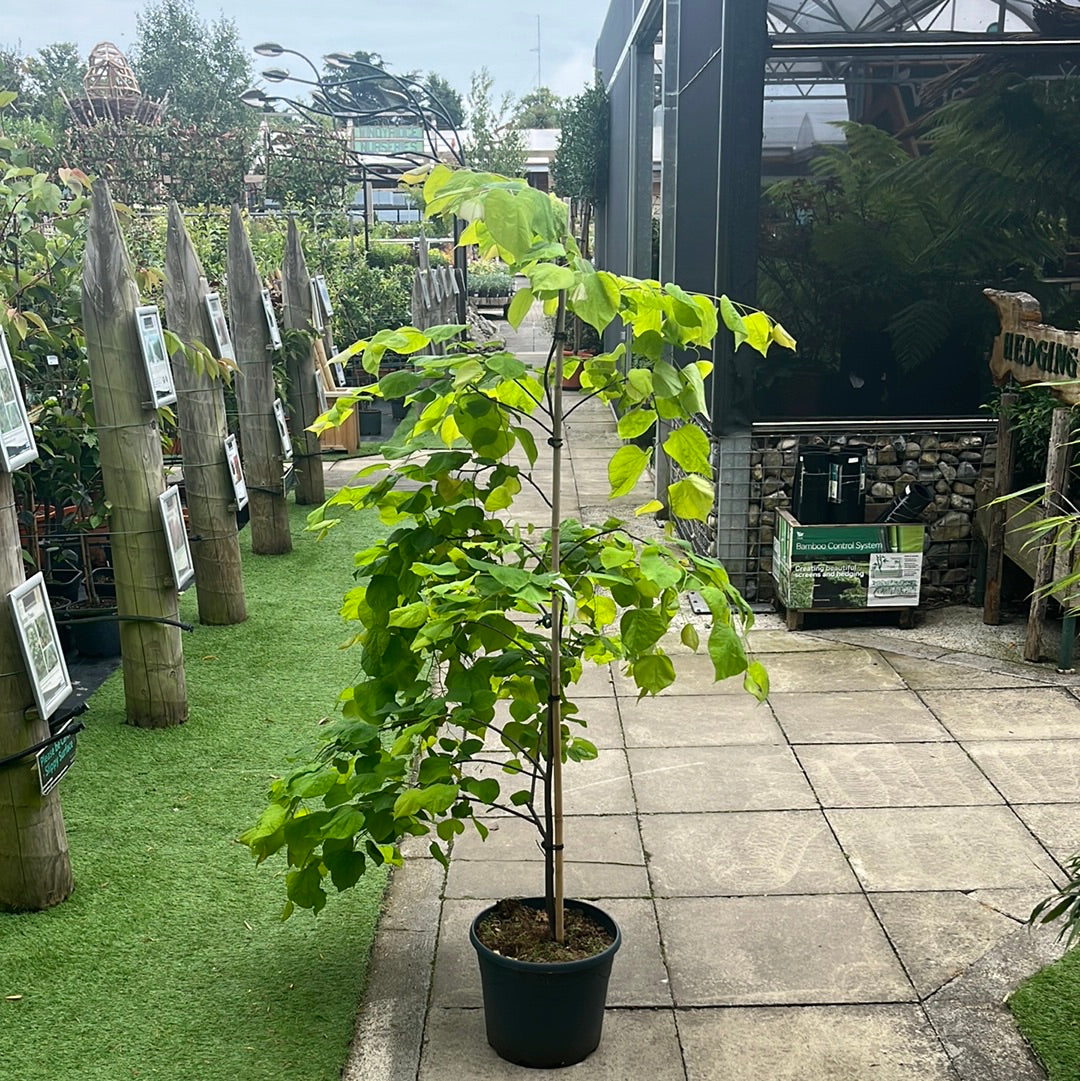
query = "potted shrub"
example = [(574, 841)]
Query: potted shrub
[(473, 631)]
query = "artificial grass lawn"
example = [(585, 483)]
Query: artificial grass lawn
[(1047, 1009), (170, 959)]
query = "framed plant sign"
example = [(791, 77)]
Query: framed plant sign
[(155, 356), (324, 404), (17, 445), (220, 325), (236, 471), (317, 322), (176, 538), (337, 370), (40, 644), (323, 294), (271, 320), (283, 429)]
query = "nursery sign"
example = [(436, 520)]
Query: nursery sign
[(1029, 350), (387, 139)]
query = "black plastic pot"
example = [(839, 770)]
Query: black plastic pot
[(369, 421), (95, 632), (545, 1015)]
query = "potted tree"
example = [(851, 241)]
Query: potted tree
[(473, 630)]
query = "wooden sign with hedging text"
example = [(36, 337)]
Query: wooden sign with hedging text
[(1030, 351)]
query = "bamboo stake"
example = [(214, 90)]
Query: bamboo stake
[(303, 392), (200, 408), (133, 476), (555, 787), (35, 870), (255, 394)]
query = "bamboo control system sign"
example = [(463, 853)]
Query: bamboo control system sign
[(847, 566), (1030, 351)]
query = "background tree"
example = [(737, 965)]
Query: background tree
[(579, 171), (12, 70), (493, 144), (447, 97), (55, 71), (200, 65), (540, 108)]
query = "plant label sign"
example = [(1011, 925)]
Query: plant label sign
[(1031, 351), (54, 761)]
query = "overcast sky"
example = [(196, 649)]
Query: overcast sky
[(453, 37)]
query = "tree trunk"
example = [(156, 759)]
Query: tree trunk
[(129, 441), (255, 394), (300, 366), (35, 871), (200, 409)]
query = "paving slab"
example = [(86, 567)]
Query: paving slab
[(386, 1044), (764, 642), (939, 935), (812, 1043), (740, 853), (1022, 713), (695, 675), (971, 1015), (778, 950), (894, 775), (635, 1044), (603, 853), (763, 778), (638, 975), (1056, 825), (525, 878), (911, 849), (1031, 771), (685, 720), (855, 717), (943, 673), (831, 670)]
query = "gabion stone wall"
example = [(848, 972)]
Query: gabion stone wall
[(949, 462)]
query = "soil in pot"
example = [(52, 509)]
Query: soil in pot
[(521, 931)]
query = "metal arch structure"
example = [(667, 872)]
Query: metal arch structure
[(717, 57), (391, 99)]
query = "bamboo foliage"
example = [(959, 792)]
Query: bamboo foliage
[(255, 394), (129, 440), (215, 548), (303, 377)]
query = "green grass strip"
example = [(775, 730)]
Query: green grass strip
[(170, 959), (1046, 1008)]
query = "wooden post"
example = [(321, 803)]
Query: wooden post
[(995, 532), (255, 394), (1059, 454), (300, 365), (200, 410), (35, 870), (133, 475)]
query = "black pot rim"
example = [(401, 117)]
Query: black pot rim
[(549, 967)]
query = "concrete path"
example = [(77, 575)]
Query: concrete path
[(830, 886)]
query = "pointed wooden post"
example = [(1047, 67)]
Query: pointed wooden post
[(300, 365), (129, 441), (255, 394), (35, 870), (200, 411)]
